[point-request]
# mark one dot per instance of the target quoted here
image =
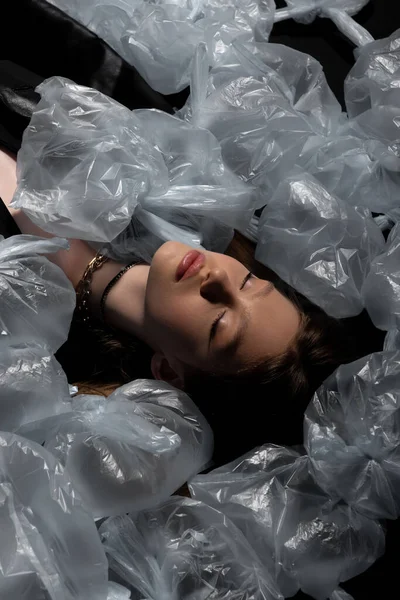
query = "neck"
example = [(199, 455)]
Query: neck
[(124, 307)]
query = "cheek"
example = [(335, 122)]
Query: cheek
[(174, 321)]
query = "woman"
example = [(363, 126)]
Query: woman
[(251, 352)]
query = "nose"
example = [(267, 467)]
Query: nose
[(216, 286)]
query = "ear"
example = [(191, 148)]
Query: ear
[(162, 370)]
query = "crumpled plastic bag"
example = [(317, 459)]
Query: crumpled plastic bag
[(381, 291), (340, 594), (37, 300), (318, 244), (392, 339), (133, 449), (119, 592), (50, 547), (91, 169), (340, 11), (304, 539), (185, 550), (305, 11), (199, 182), (352, 434), (374, 80), (271, 109), (33, 386), (357, 167), (160, 38), (84, 163), (264, 103)]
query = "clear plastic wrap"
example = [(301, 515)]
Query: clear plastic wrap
[(185, 550), (50, 547), (91, 169), (160, 38), (352, 433), (33, 386), (356, 167), (133, 449), (339, 11), (119, 592), (318, 244), (301, 536), (374, 80), (37, 300), (84, 163), (305, 11), (392, 339), (381, 291), (264, 103)]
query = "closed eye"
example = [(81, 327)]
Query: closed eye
[(246, 279), (214, 325)]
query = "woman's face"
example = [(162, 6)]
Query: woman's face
[(204, 310)]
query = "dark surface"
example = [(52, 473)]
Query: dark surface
[(41, 39), (324, 42)]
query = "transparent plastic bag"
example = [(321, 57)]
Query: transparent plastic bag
[(50, 547), (33, 386), (392, 339), (352, 433), (199, 182), (84, 163), (301, 536), (159, 39), (184, 550), (119, 592), (93, 170), (339, 11), (357, 167), (133, 449), (37, 299), (374, 80), (381, 292), (318, 244), (305, 11), (264, 103)]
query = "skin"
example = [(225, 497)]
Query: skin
[(175, 317)]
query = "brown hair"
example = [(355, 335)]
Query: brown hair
[(264, 403)]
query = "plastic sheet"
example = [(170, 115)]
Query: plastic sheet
[(271, 109), (50, 547), (299, 533), (91, 169), (352, 431), (184, 550), (133, 449), (33, 386), (381, 290), (374, 80), (392, 339), (339, 11), (318, 244), (119, 592), (160, 39), (357, 167), (264, 103), (84, 163), (37, 300)]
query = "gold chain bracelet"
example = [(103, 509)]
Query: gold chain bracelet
[(84, 287)]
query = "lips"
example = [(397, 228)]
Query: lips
[(190, 265)]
